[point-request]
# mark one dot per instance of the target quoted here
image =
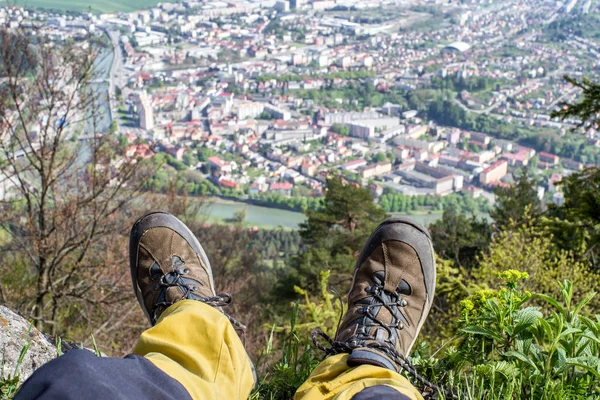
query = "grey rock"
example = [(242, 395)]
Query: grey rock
[(15, 333)]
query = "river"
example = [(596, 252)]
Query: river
[(220, 210)]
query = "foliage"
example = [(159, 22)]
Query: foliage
[(576, 224), (397, 202), (588, 109), (333, 235), (10, 384), (530, 248), (66, 194), (324, 313), (458, 83), (509, 349), (460, 238), (516, 202), (342, 129), (282, 371)]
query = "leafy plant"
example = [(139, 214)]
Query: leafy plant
[(283, 371), (510, 349)]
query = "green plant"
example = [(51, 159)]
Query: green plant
[(283, 371), (322, 313), (508, 349), (10, 385)]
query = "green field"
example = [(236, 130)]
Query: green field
[(102, 6)]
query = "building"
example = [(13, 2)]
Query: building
[(376, 169), (494, 172), (354, 165), (278, 112), (282, 188), (558, 198), (146, 115), (366, 129), (423, 176), (249, 110), (217, 164), (282, 6), (549, 158)]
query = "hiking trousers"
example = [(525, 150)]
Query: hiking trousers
[(193, 352)]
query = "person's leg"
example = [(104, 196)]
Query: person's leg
[(80, 375), (191, 351), (207, 357), (334, 379), (192, 340), (391, 295)]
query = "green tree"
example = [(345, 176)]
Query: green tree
[(334, 235), (460, 238), (576, 224), (513, 202)]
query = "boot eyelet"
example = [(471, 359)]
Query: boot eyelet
[(403, 303), (186, 271)]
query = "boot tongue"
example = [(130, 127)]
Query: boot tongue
[(379, 277), (171, 278)]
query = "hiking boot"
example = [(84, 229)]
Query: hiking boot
[(390, 297), (168, 264)]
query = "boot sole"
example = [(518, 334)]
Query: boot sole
[(161, 219)]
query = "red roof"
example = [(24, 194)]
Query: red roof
[(282, 186), (494, 166), (229, 184), (217, 161)]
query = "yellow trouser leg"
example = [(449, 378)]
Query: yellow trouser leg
[(196, 345), (334, 379)]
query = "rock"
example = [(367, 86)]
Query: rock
[(15, 333)]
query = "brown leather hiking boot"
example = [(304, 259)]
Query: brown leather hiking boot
[(391, 295), (168, 264)]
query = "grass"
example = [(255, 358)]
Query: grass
[(97, 7)]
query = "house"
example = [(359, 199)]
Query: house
[(228, 184), (376, 169), (282, 188), (308, 168), (549, 158), (494, 172), (354, 165), (217, 164), (177, 152)]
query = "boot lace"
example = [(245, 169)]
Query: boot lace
[(188, 287), (393, 302)]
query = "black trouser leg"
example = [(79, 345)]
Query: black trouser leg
[(379, 392), (80, 375)]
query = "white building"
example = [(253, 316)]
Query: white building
[(145, 112)]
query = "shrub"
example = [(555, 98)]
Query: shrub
[(508, 349)]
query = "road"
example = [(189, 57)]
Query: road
[(116, 77)]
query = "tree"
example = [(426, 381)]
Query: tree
[(513, 202), (527, 247), (334, 235), (64, 185), (588, 109), (460, 238), (576, 224), (380, 157)]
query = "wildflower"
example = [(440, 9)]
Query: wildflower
[(481, 296), (467, 306), (512, 276)]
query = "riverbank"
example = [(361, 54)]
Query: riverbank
[(220, 210)]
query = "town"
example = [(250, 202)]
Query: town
[(265, 99)]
